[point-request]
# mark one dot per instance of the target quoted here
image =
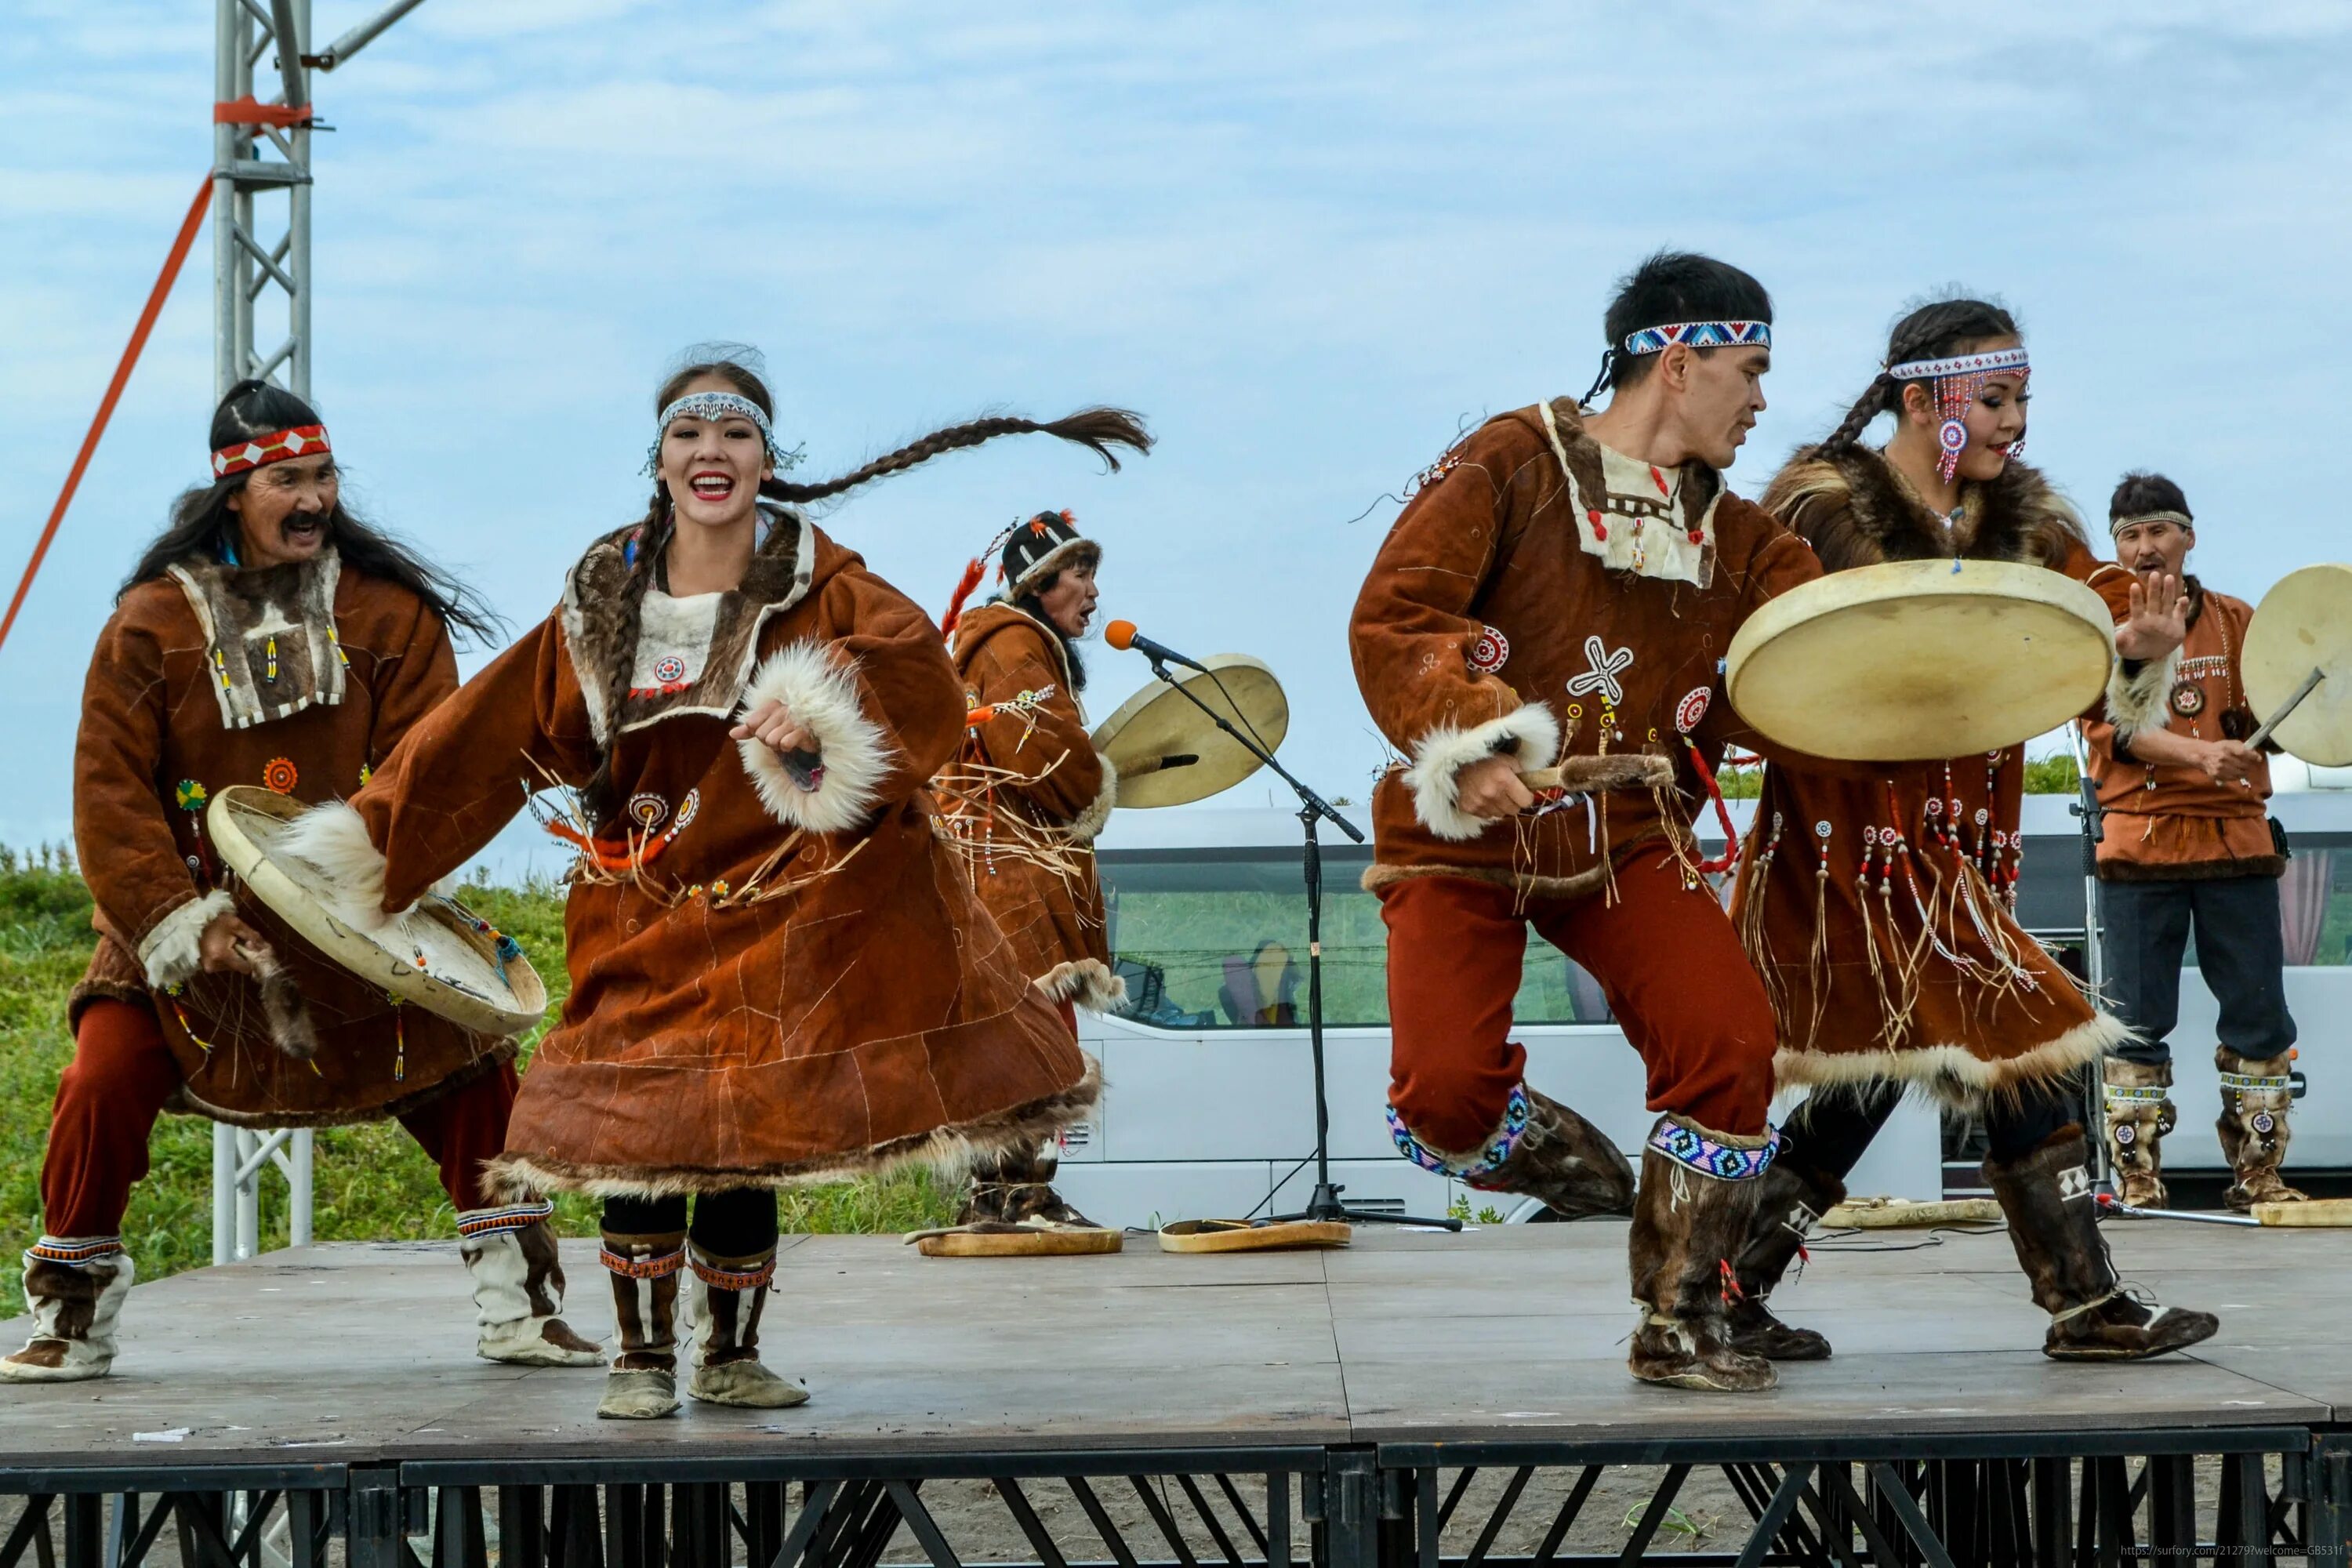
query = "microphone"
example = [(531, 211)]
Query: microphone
[(1122, 634)]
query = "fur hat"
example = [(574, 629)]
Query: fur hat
[(1032, 551)]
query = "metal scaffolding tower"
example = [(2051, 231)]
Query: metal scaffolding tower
[(261, 151)]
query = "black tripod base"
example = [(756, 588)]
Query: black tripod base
[(1324, 1207)]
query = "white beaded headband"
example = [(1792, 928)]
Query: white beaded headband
[(719, 406), (1960, 364)]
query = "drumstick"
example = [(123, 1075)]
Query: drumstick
[(1154, 764), (2275, 719)]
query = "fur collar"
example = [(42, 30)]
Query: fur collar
[(269, 636), (1855, 509), (694, 655), (1634, 517)]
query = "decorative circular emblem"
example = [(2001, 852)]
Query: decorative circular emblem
[(1935, 806), (2188, 698), (190, 795), (647, 810), (1823, 828), (1487, 654), (1984, 817), (670, 670), (2263, 1121), (1692, 708), (279, 775), (1869, 834), (2127, 1134), (1952, 437), (688, 807)]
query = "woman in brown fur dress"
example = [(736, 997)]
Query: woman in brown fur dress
[(1879, 909)]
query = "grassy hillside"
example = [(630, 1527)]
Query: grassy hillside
[(372, 1184)]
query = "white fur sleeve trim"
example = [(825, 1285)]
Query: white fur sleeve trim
[(2138, 702), (334, 839), (857, 758), (1445, 752), (1091, 821), (173, 950)]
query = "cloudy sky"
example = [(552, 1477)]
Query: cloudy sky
[(1308, 242)]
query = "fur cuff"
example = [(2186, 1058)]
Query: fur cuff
[(856, 757), (1097, 815), (334, 839), (1085, 981), (2137, 701), (172, 950), (1445, 750)]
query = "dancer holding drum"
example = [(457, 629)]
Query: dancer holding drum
[(267, 637), (1556, 597), (1030, 794), (1877, 905), (2188, 837), (778, 970)]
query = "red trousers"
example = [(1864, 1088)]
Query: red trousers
[(1665, 955), (123, 1074)]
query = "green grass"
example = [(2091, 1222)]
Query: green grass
[(371, 1182)]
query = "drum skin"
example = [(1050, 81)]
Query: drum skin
[(2304, 622), (1915, 660), (1161, 722)]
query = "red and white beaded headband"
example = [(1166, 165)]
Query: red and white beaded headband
[(1957, 381), (260, 451)]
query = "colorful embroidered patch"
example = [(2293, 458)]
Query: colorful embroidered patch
[(1692, 708), (191, 795), (657, 1267), (281, 775), (74, 1251), (1689, 1147), (648, 810), (1607, 666), (669, 670), (2188, 700), (1496, 1150), (1488, 654), (513, 1217)]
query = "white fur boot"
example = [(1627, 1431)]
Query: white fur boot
[(518, 1289), (75, 1286)]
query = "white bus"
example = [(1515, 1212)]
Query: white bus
[(1209, 1105)]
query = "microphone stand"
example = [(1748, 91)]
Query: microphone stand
[(1323, 1204), (2095, 966)]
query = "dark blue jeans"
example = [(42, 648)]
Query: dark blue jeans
[(2239, 948)]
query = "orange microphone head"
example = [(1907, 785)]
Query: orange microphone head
[(1119, 634)]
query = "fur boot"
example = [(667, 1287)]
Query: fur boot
[(518, 1289), (2255, 1098), (1541, 1149), (1696, 1203), (1789, 1201), (2139, 1113), (2053, 1224), (76, 1307), (643, 1383), (1016, 1187), (728, 1296)]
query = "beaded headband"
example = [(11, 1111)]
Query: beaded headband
[(260, 451), (2182, 519), (719, 406), (1701, 335), (1957, 381), (1959, 364)]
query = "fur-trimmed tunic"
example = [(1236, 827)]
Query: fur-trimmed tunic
[(320, 672), (1544, 597), (1902, 960), (787, 983), (2168, 821), (1045, 787)]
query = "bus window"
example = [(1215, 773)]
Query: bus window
[(1217, 940)]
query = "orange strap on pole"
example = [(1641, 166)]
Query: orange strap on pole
[(163, 290)]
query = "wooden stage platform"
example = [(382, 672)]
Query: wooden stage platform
[(1396, 1360)]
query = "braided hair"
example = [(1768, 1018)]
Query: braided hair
[(1937, 330), (1100, 430)]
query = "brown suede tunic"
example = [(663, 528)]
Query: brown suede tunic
[(769, 983), (358, 660), (1029, 779), (1543, 596), (1876, 899), (2169, 820)]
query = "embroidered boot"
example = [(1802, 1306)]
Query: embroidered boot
[(75, 1287), (728, 1293), (643, 1382), (2053, 1224), (1016, 1187), (518, 1288), (1541, 1149), (2139, 1113), (1789, 1201), (1696, 1203), (2255, 1096)]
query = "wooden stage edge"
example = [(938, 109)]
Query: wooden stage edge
[(361, 1354)]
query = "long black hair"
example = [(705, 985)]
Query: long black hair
[(201, 524), (1937, 330), (1032, 604)]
